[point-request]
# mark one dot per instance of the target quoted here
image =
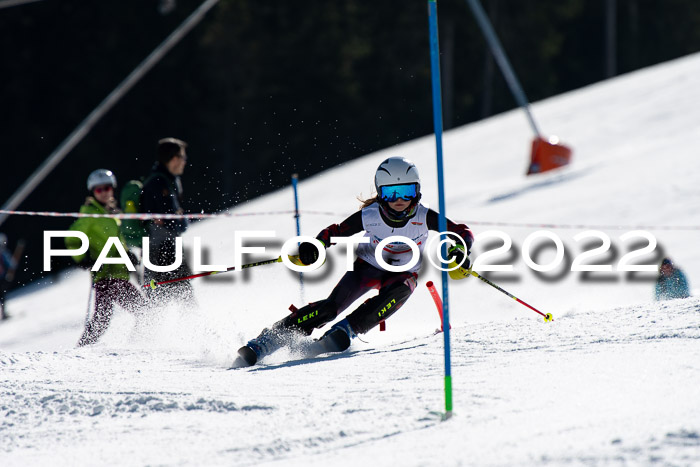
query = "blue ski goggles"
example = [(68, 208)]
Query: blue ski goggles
[(391, 193)]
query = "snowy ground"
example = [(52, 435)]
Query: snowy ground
[(615, 379), (593, 388)]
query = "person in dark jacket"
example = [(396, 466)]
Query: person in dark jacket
[(671, 283), (162, 194)]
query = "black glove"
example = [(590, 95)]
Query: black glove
[(457, 252), (308, 253)]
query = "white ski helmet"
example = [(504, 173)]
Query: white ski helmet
[(396, 171), (101, 177)]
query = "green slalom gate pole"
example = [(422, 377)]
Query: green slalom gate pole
[(442, 220)]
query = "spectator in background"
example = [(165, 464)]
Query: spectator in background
[(162, 194), (111, 282), (8, 264), (671, 283)]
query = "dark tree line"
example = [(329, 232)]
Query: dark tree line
[(264, 89)]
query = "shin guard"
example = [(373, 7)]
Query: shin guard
[(312, 316), (379, 308)]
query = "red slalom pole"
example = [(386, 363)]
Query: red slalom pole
[(438, 302), (547, 316)]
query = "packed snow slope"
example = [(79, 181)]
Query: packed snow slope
[(614, 379)]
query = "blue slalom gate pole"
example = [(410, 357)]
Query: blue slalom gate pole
[(442, 220), (295, 180)]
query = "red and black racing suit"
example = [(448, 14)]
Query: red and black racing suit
[(394, 287)]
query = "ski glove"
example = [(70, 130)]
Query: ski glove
[(459, 254), (308, 253)]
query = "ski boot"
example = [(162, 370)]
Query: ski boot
[(336, 339), (267, 342)]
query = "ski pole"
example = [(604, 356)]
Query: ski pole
[(16, 257), (547, 316), (87, 313), (153, 284)]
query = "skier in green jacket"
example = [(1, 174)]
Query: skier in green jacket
[(111, 281)]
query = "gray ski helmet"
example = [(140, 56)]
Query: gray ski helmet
[(396, 171), (101, 177)]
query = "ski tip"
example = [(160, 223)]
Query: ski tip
[(152, 284), (246, 357), (548, 317), (239, 362)]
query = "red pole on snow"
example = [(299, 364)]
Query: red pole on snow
[(438, 302)]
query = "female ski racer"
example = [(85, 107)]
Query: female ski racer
[(395, 211)]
